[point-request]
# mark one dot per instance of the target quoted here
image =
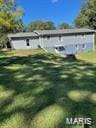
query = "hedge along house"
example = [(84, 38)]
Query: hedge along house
[(67, 41)]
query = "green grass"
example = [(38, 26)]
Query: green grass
[(39, 90)]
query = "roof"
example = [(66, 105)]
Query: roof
[(63, 31), (24, 34), (50, 32)]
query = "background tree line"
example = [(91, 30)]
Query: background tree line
[(46, 25), (85, 19), (11, 19)]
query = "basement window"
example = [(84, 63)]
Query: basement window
[(60, 48)]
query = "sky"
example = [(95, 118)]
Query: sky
[(57, 11)]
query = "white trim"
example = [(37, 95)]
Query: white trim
[(41, 42), (44, 49), (77, 47), (60, 38), (57, 51), (59, 45), (93, 42)]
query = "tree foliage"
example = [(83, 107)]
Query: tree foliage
[(9, 15), (10, 18), (40, 25), (87, 15), (3, 40), (64, 26)]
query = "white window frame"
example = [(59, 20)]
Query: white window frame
[(83, 36), (48, 37), (60, 38), (77, 47), (28, 43)]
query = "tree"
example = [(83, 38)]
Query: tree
[(3, 40), (10, 19), (18, 26), (9, 15), (87, 15), (49, 25), (40, 25), (64, 26)]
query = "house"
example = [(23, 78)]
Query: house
[(66, 41)]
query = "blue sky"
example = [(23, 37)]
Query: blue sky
[(56, 10)]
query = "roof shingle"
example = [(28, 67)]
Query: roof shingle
[(50, 32), (64, 31), (24, 34)]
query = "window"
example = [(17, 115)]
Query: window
[(39, 46), (77, 47), (27, 42), (83, 46), (60, 48), (56, 48), (76, 36), (48, 37), (83, 36), (59, 38)]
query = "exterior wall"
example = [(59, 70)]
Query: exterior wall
[(66, 40), (71, 49), (34, 43), (20, 43), (69, 43)]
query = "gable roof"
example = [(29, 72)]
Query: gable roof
[(63, 31), (50, 32)]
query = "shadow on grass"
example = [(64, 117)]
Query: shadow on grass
[(45, 87)]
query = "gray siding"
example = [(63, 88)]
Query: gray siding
[(68, 41), (71, 49), (20, 43), (34, 43)]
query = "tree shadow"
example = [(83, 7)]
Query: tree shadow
[(33, 83)]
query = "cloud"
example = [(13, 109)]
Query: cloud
[(55, 1)]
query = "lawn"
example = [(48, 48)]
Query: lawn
[(40, 90)]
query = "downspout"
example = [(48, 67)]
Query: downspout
[(94, 41)]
